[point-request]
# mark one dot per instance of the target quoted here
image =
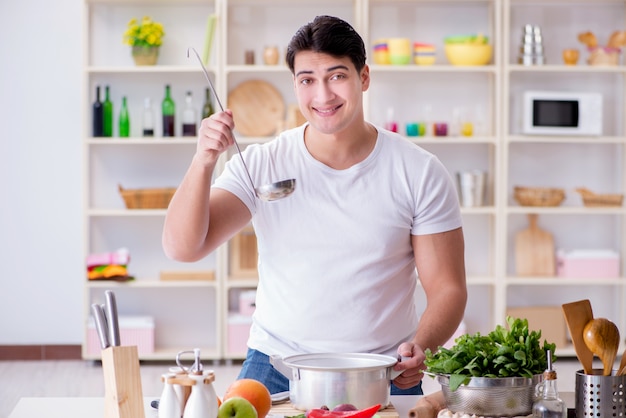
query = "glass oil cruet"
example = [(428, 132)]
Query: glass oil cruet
[(548, 404)]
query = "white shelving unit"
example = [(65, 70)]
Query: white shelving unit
[(559, 161), (195, 314)]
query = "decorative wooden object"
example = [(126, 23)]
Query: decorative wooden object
[(534, 251), (123, 396)]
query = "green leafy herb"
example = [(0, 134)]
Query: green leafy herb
[(512, 352)]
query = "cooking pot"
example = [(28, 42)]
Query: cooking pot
[(331, 379)]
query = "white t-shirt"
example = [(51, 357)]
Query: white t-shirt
[(336, 266)]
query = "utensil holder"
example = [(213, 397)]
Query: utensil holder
[(123, 397), (600, 396)]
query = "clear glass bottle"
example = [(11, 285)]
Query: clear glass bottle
[(547, 403), (107, 114), (189, 117), (124, 120), (148, 118), (168, 109)]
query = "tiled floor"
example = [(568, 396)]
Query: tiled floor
[(84, 378)]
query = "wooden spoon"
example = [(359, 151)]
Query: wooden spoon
[(602, 338), (621, 371), (577, 315)]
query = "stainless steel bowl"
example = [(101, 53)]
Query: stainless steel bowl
[(491, 397)]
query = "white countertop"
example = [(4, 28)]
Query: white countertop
[(94, 407)]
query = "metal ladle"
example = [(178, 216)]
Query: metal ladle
[(602, 338), (267, 192)]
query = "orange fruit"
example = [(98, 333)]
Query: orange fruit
[(254, 391)]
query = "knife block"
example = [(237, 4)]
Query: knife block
[(123, 397)]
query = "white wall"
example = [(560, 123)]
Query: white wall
[(41, 259)]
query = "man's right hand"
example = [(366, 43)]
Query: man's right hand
[(215, 136)]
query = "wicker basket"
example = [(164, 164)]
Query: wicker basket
[(592, 199), (539, 196), (147, 198)]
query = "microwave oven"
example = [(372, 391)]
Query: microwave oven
[(562, 113)]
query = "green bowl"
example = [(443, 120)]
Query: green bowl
[(466, 39)]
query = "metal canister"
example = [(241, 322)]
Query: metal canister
[(600, 396)]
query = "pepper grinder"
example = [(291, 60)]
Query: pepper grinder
[(548, 403)]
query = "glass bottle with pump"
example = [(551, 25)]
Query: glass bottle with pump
[(107, 114), (189, 117), (124, 120), (168, 109), (547, 403)]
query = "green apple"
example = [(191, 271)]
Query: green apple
[(236, 407)]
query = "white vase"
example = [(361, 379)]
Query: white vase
[(169, 403), (198, 405)]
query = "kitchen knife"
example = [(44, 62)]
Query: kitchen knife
[(101, 327), (113, 321)]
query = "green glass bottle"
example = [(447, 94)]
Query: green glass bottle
[(107, 114), (168, 109), (207, 109), (124, 120)]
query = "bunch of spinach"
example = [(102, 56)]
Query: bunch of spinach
[(513, 352)]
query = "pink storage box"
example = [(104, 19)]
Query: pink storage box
[(238, 333), (587, 263), (134, 330), (247, 301)]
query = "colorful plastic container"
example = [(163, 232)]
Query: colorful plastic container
[(424, 54)]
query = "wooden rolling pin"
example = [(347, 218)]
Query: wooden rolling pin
[(428, 406)]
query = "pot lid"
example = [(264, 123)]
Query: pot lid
[(340, 361)]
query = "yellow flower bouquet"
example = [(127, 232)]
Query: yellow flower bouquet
[(144, 33), (145, 38)]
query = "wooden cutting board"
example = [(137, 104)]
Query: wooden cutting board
[(287, 410), (258, 108), (534, 250)]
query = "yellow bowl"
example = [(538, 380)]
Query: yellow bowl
[(381, 57), (468, 54)]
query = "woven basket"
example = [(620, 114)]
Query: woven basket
[(592, 199), (147, 198), (538, 196)]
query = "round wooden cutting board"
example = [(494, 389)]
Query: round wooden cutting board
[(257, 107)]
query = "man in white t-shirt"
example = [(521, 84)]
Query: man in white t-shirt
[(338, 257)]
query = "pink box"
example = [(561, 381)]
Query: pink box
[(134, 330), (247, 302), (238, 333), (587, 263)]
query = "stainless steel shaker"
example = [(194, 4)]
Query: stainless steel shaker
[(531, 50)]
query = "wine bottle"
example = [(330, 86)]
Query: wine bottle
[(124, 120), (168, 109), (107, 114), (97, 115), (207, 109), (189, 117), (148, 118)]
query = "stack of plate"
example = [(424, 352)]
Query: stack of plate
[(531, 51)]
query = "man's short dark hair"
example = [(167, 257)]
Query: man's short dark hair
[(328, 35)]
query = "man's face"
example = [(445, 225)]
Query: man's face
[(329, 90)]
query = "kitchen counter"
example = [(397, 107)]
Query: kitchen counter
[(94, 407)]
